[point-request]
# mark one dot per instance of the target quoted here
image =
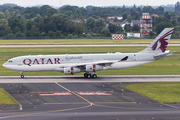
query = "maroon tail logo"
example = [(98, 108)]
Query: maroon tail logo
[(162, 43)]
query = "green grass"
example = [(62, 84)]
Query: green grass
[(6, 99), (78, 41), (169, 65), (162, 92)]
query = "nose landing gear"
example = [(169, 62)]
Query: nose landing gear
[(22, 76)]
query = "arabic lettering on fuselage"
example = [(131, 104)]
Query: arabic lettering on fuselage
[(73, 57), (38, 61)]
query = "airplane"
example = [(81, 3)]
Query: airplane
[(90, 63)]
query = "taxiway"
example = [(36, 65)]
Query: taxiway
[(77, 98)]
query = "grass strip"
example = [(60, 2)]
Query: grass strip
[(6, 99), (164, 92), (78, 41)]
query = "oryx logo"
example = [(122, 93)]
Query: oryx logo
[(162, 42)]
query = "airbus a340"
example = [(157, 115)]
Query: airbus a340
[(90, 63)]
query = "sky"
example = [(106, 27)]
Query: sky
[(84, 3)]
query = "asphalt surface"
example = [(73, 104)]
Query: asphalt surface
[(88, 100)]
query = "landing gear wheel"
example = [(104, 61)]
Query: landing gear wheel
[(88, 75), (21, 72), (85, 75), (94, 76), (22, 76)]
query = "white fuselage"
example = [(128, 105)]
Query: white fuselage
[(59, 62)]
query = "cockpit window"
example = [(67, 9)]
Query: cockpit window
[(10, 61)]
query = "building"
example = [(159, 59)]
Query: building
[(145, 24), (116, 23), (135, 22), (155, 15), (134, 35), (112, 18), (125, 22), (122, 24)]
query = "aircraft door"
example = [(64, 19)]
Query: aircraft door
[(136, 57), (20, 62)]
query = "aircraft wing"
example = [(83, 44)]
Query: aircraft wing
[(101, 62)]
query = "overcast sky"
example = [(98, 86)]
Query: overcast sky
[(84, 3)]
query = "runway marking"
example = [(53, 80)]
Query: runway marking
[(93, 102), (36, 113), (55, 94), (93, 93), (127, 107), (169, 105), (73, 93)]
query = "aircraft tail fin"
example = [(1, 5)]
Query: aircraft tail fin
[(160, 43)]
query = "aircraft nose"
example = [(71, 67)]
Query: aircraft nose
[(5, 65)]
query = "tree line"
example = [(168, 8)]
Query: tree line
[(72, 21)]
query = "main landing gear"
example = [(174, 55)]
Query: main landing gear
[(90, 75), (22, 76)]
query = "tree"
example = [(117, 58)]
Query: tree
[(78, 14), (50, 33), (29, 24), (161, 26), (43, 9), (159, 10), (19, 34), (15, 14), (148, 9), (68, 13), (151, 34), (8, 30), (100, 23), (114, 28), (7, 14), (32, 15), (51, 11), (2, 15), (136, 28), (23, 22), (43, 34), (174, 22), (58, 33), (167, 15), (127, 28), (28, 33), (106, 32), (90, 24), (65, 8), (124, 16), (15, 25)]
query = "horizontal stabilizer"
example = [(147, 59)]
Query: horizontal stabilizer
[(162, 55)]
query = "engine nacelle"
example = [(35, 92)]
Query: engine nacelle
[(71, 70), (93, 68)]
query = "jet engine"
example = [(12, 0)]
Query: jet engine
[(93, 68), (71, 70)]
